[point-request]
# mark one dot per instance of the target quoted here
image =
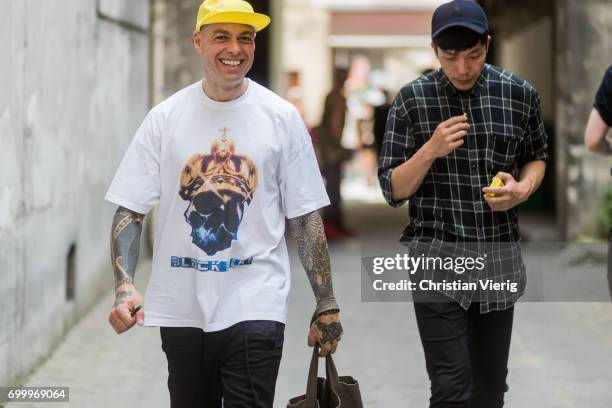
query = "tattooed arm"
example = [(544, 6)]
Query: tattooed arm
[(125, 248), (325, 328)]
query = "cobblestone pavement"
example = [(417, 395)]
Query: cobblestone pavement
[(103, 369), (560, 354)]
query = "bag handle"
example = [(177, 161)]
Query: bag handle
[(330, 371), (311, 387)]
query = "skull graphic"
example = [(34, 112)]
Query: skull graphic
[(217, 186)]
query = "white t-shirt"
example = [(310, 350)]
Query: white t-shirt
[(225, 176)]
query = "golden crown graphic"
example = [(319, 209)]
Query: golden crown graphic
[(222, 172)]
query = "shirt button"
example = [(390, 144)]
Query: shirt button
[(474, 166)]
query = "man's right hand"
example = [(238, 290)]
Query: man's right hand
[(326, 331), (127, 298), (448, 136)]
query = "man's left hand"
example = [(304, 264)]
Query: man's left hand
[(326, 331), (510, 195)]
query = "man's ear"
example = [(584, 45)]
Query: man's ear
[(489, 39), (435, 48), (197, 41)]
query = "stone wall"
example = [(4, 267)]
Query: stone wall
[(562, 47), (74, 87), (306, 50), (583, 52), (176, 63)]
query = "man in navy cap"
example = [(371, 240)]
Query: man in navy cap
[(448, 135)]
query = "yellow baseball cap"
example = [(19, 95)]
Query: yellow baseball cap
[(230, 11)]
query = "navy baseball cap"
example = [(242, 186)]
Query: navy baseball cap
[(459, 13)]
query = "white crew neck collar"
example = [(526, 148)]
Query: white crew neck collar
[(227, 104)]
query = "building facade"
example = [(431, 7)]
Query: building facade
[(74, 90)]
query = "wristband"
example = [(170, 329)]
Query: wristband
[(325, 305)]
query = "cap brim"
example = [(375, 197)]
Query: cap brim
[(255, 20), (473, 27)]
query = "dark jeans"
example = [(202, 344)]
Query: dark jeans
[(466, 354), (238, 365)]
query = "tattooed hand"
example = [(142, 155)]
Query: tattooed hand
[(125, 248), (121, 318), (309, 234), (327, 331)]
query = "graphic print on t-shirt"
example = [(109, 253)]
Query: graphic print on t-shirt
[(217, 186)]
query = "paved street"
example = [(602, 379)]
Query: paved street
[(561, 352)]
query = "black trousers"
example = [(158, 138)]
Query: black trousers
[(238, 365), (466, 354)]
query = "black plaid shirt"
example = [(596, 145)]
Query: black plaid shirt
[(506, 132)]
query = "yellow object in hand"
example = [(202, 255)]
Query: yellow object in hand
[(495, 182)]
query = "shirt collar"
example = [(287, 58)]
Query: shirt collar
[(476, 90)]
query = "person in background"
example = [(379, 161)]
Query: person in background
[(595, 139), (600, 119), (332, 155), (380, 120), (295, 93)]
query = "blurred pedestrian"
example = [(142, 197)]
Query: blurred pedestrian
[(227, 161), (600, 119), (332, 154), (294, 92), (380, 121), (367, 152), (596, 141), (447, 135)]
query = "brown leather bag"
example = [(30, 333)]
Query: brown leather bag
[(332, 392)]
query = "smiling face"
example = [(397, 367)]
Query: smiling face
[(227, 50), (463, 67)]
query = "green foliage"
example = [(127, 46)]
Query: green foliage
[(604, 216)]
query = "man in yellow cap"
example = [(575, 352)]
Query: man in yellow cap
[(227, 162)]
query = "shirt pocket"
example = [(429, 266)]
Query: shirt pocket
[(505, 152)]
